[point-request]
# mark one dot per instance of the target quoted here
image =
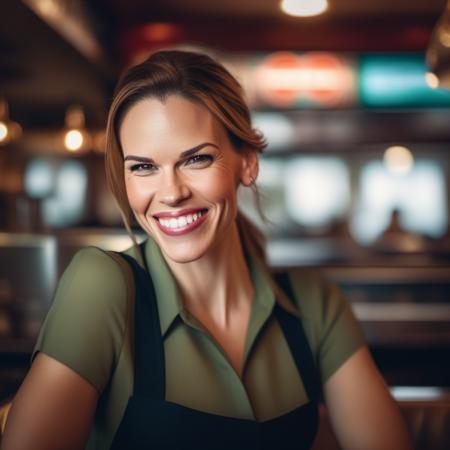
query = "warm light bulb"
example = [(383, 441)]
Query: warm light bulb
[(304, 8), (3, 131), (432, 80), (73, 140), (398, 160), (444, 37), (49, 8)]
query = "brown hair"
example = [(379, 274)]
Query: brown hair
[(196, 77)]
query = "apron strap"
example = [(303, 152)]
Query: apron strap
[(149, 362), (295, 335)]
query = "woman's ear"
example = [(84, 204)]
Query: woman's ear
[(250, 167)]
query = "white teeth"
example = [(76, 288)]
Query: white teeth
[(181, 221)]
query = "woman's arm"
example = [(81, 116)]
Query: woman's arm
[(53, 409), (361, 410)]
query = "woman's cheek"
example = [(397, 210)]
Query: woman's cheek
[(217, 187), (140, 194)]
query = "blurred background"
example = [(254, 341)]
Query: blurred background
[(354, 99)]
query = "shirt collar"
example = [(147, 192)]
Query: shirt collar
[(261, 275), (168, 296)]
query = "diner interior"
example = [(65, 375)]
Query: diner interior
[(354, 102)]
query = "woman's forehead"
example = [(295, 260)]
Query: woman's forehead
[(174, 122)]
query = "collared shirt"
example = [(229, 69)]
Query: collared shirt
[(90, 329)]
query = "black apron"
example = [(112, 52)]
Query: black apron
[(151, 422)]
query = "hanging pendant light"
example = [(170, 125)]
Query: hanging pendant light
[(438, 52), (304, 8), (9, 130), (76, 137)]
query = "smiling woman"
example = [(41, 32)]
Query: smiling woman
[(201, 88), (189, 340), (187, 194)]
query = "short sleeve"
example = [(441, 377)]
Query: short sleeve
[(85, 326), (333, 332), (340, 334)]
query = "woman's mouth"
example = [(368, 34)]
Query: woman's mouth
[(182, 224)]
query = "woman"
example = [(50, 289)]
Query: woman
[(212, 350)]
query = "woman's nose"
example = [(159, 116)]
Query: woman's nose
[(174, 190)]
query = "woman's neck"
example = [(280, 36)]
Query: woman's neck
[(218, 284)]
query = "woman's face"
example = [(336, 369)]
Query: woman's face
[(181, 175)]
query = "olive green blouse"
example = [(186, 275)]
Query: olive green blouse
[(89, 328)]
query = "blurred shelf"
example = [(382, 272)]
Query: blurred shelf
[(385, 274), (420, 394), (344, 252), (402, 312), (407, 335)]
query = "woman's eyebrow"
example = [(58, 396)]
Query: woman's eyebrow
[(195, 149), (183, 154), (138, 158)]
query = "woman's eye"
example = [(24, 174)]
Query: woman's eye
[(202, 160), (142, 167)]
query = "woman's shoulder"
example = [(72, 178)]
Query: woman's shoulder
[(314, 290), (86, 323), (92, 268), (307, 286), (88, 259), (333, 331), (319, 299)]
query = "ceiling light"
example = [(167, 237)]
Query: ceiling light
[(444, 37), (76, 136), (432, 80), (3, 131), (73, 140), (9, 130), (304, 8), (398, 160)]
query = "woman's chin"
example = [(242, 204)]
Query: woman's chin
[(183, 254)]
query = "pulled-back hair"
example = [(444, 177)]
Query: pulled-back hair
[(196, 77)]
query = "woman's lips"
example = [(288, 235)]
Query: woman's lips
[(181, 224)]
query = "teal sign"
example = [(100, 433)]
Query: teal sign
[(397, 80)]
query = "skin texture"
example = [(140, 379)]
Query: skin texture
[(162, 131), (362, 412), (53, 409), (208, 179), (56, 406)]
